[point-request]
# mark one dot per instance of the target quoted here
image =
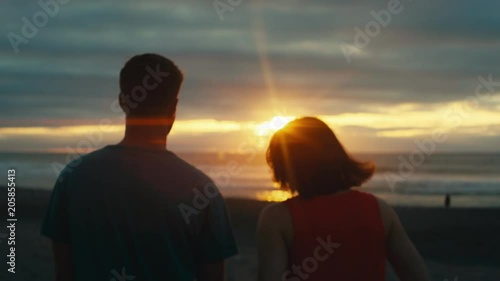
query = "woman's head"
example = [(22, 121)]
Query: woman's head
[(306, 157)]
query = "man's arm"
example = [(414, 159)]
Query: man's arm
[(210, 272), (62, 260), (56, 227), (215, 241)]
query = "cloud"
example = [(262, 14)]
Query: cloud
[(264, 59)]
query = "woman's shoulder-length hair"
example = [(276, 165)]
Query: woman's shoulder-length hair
[(307, 158)]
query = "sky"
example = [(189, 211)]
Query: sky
[(385, 75)]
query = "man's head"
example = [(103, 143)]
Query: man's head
[(149, 86)]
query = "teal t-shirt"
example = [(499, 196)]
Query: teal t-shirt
[(138, 214)]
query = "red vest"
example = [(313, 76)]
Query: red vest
[(337, 237)]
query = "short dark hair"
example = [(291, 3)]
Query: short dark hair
[(149, 82), (306, 157)]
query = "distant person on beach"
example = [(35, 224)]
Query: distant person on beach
[(329, 231), (136, 211), (447, 201)]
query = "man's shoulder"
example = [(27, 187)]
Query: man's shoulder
[(188, 170), (173, 165), (78, 161), (94, 155)]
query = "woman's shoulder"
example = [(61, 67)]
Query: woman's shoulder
[(275, 211), (275, 218)]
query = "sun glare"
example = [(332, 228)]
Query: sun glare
[(270, 127)]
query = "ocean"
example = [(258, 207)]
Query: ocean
[(472, 179)]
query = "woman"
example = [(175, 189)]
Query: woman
[(328, 231)]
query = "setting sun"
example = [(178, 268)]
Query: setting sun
[(270, 127)]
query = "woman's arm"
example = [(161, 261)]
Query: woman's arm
[(271, 244), (401, 252)]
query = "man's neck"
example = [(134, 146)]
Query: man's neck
[(145, 137), (144, 144)]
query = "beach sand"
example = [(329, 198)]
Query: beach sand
[(457, 244)]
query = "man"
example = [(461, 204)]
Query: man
[(135, 211)]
